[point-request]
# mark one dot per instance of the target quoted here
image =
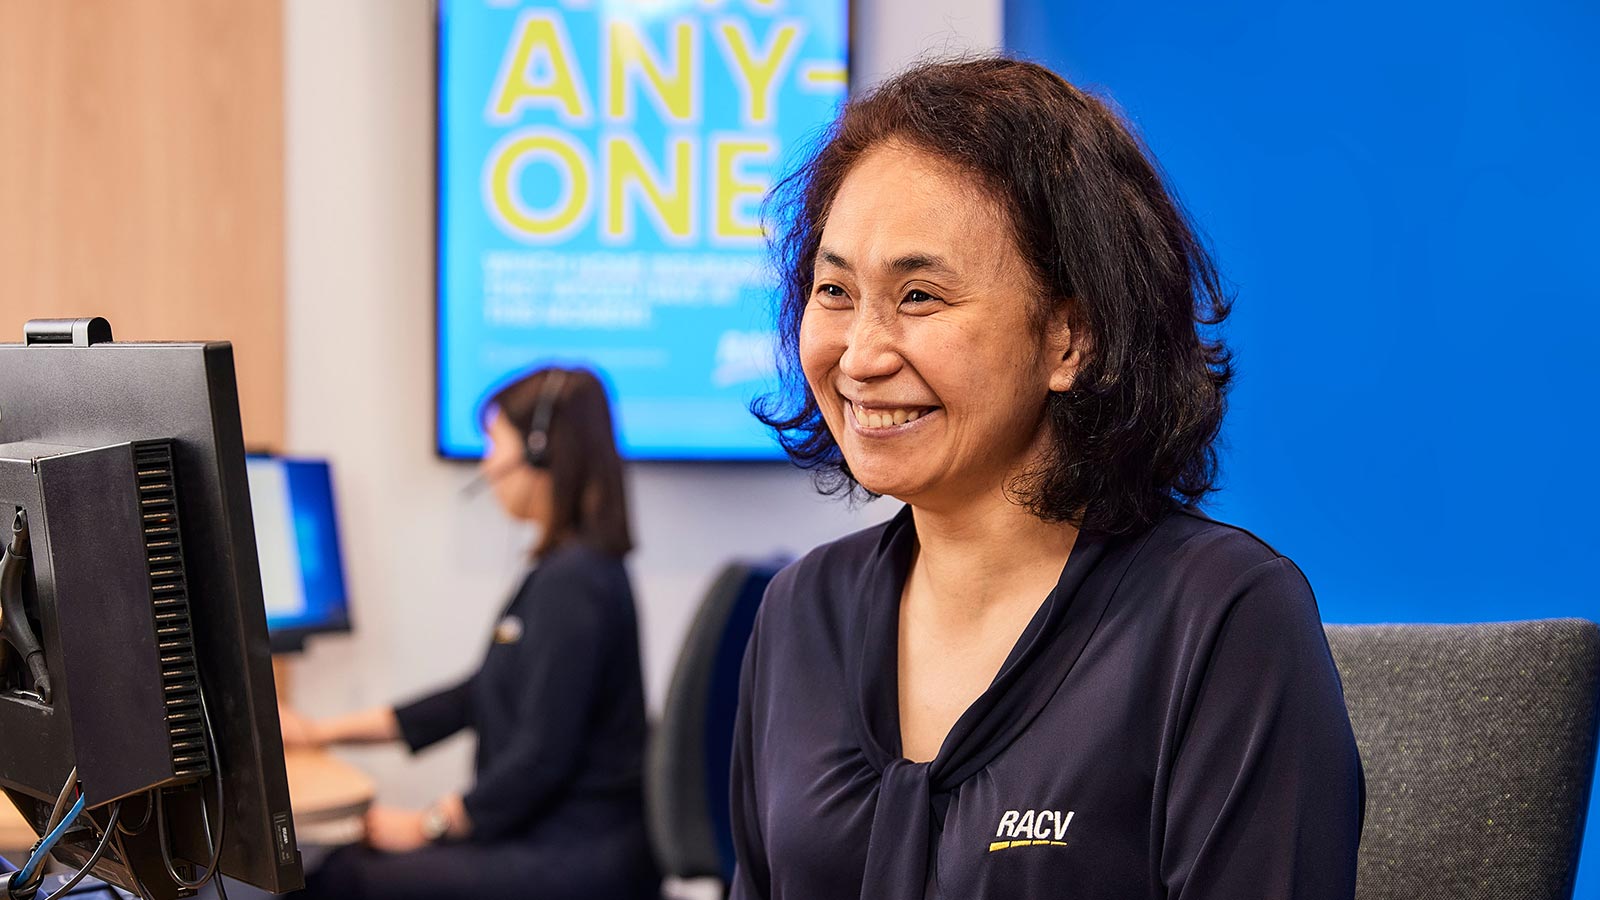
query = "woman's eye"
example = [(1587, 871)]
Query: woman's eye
[(831, 294)]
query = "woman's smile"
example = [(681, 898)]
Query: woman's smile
[(880, 421)]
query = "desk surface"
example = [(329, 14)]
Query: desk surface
[(322, 789)]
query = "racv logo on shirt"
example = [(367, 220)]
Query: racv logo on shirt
[(1032, 828)]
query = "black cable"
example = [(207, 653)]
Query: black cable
[(166, 848), (29, 890), (15, 628), (149, 808), (215, 845), (161, 836), (122, 855), (95, 857), (222, 796)]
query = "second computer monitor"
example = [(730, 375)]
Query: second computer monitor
[(297, 539)]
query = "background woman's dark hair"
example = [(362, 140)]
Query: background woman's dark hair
[(589, 501), (1102, 235)]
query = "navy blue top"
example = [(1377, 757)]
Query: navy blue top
[(558, 707), (1169, 725)]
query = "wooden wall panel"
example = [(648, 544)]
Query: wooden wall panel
[(141, 177)]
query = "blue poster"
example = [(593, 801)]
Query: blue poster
[(601, 172)]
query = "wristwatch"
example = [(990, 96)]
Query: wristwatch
[(435, 823)]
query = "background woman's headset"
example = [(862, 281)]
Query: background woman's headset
[(536, 452)]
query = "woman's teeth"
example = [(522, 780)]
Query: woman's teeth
[(883, 418)]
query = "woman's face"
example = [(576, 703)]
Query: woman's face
[(917, 340), (521, 490)]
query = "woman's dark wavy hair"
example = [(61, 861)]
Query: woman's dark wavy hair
[(1101, 234)]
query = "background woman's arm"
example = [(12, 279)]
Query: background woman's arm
[(372, 726), (419, 723)]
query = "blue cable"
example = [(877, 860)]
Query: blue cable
[(41, 852)]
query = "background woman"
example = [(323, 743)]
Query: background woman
[(1048, 675), (556, 808)]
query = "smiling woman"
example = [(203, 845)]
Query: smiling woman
[(993, 311), (1041, 192)]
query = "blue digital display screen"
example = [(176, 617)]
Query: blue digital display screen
[(601, 173), (297, 542)]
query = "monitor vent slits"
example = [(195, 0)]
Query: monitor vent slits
[(180, 679)]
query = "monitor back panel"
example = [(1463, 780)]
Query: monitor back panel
[(91, 396)]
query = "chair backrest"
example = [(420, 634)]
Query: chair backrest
[(686, 777), (1478, 744)]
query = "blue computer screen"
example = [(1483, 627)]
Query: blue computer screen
[(297, 540), (601, 173)]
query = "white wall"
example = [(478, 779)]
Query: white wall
[(429, 570)]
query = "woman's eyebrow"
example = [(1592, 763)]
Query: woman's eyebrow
[(900, 265), (920, 262), (834, 259)]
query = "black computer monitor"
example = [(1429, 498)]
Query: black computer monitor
[(138, 674), (297, 541)]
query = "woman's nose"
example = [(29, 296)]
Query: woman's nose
[(871, 348)]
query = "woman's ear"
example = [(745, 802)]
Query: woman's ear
[(1065, 347)]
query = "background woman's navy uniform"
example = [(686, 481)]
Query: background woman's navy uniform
[(558, 708), (1169, 725)]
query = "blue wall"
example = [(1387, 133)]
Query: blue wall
[(1407, 200)]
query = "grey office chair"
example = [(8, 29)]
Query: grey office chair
[(686, 774), (1478, 743)]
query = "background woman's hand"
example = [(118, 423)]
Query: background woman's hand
[(299, 732), (372, 726), (394, 830)]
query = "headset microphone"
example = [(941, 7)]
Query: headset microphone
[(482, 479)]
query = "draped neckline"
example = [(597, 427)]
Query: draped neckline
[(899, 853)]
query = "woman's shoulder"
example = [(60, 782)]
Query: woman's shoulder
[(811, 609), (1190, 536), (579, 558), (826, 581), (838, 560), (1206, 568), (575, 567)]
